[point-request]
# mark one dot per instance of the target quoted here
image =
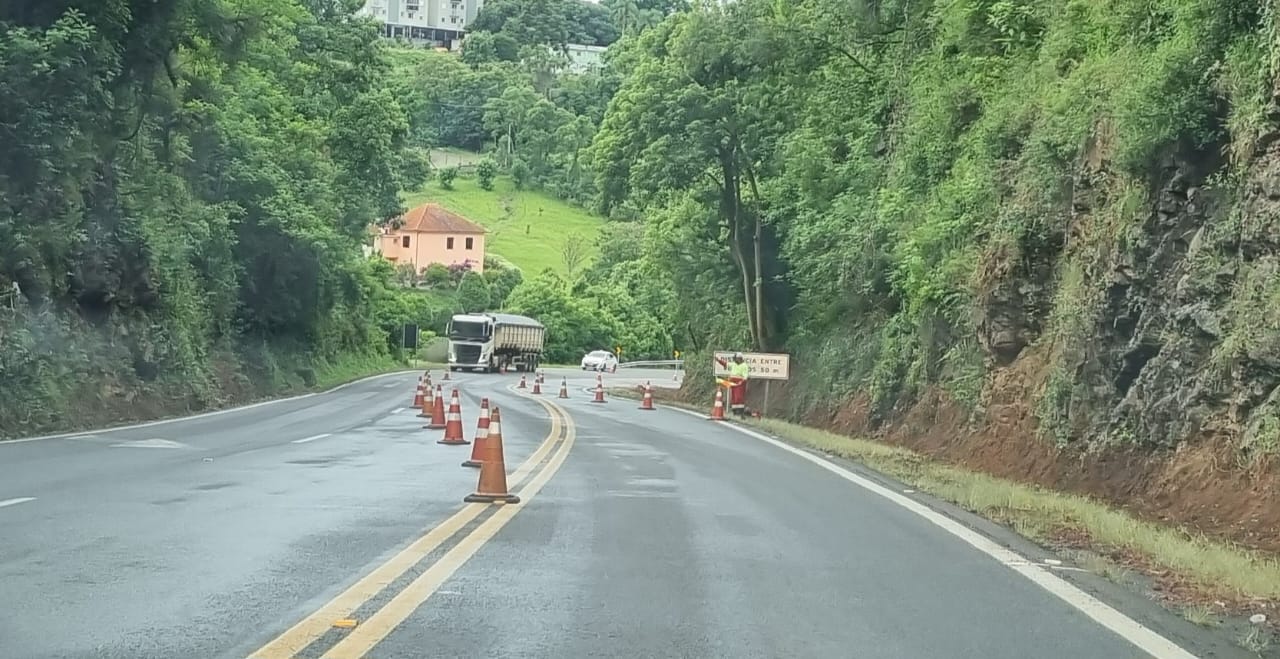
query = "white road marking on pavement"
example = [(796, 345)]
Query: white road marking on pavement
[(397, 410), (312, 438), (148, 424), (150, 443), (14, 502), (1143, 638)]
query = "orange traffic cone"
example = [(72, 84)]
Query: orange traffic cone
[(599, 394), (437, 412), (542, 378), (482, 435), (537, 386), (428, 402), (717, 410), (492, 487), (453, 423), (446, 376), (647, 402), (564, 388), (521, 385), (418, 393)]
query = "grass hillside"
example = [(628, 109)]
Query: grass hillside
[(528, 228)]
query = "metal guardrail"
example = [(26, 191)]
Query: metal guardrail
[(677, 363)]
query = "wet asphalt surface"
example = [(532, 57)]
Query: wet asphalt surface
[(663, 535)]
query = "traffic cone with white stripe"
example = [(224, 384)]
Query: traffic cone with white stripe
[(482, 435), (521, 385), (418, 394), (437, 412), (564, 388), (717, 410), (453, 423), (428, 402), (492, 486), (647, 402), (446, 376), (599, 394)]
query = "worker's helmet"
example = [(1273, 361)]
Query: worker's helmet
[(737, 356)]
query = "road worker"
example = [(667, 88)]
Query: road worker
[(739, 372)]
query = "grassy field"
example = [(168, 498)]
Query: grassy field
[(528, 228)]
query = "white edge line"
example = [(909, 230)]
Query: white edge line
[(14, 502), (312, 438), (148, 424), (1143, 638)]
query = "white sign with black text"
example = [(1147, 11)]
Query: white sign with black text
[(763, 365)]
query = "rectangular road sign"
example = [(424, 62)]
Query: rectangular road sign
[(764, 365)]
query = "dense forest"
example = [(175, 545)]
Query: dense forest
[(1038, 238), (1027, 236), (186, 187)]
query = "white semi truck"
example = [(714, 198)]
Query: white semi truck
[(490, 341)]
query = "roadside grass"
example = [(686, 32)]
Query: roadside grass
[(1212, 568), (526, 227), (355, 367), (1213, 571), (1201, 614)]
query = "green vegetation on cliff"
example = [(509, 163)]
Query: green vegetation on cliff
[(914, 196), (1040, 239), (185, 190)]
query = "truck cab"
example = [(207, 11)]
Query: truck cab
[(491, 342)]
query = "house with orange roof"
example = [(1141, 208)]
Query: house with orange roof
[(431, 234)]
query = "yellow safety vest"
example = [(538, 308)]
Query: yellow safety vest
[(739, 370)]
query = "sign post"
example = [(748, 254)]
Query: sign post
[(762, 366)]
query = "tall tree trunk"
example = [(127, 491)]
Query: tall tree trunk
[(762, 338), (764, 329), (733, 202)]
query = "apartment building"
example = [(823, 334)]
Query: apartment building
[(427, 22)]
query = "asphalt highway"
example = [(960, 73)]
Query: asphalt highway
[(333, 526)]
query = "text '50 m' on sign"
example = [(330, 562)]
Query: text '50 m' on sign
[(762, 365)]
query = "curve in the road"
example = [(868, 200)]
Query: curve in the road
[(204, 415), (369, 632), (1141, 637), (372, 631)]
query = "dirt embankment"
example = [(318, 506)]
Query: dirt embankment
[(1198, 486)]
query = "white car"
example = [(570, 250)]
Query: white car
[(600, 360)]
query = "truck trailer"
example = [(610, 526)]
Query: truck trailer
[(493, 341)]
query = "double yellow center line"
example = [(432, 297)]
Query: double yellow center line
[(372, 631)]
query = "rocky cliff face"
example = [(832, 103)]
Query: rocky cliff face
[(1133, 356), (1148, 349)]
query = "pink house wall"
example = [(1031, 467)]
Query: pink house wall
[(427, 248)]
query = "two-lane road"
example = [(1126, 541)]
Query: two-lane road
[(333, 526)]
